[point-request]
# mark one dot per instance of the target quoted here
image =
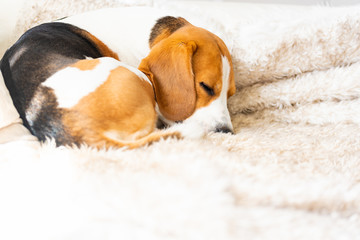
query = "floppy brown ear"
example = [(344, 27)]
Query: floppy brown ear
[(164, 27), (169, 68)]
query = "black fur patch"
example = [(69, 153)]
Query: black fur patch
[(45, 118), (39, 53), (168, 23)]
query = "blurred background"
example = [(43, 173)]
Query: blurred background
[(296, 2), (18, 15)]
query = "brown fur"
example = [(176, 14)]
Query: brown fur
[(175, 98), (101, 47), (120, 112), (86, 65), (164, 28), (179, 62)]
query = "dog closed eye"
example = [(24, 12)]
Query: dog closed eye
[(208, 90)]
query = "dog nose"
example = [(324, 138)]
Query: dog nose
[(224, 129)]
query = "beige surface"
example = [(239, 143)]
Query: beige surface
[(290, 172)]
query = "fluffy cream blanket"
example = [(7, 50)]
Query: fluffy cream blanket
[(290, 172)]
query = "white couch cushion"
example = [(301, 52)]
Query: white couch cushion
[(8, 113)]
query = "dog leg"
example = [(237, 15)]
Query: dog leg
[(146, 140)]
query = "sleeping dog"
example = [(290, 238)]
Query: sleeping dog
[(68, 85)]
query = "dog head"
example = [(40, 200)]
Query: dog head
[(192, 74)]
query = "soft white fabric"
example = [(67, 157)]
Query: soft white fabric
[(8, 113), (290, 172), (121, 29)]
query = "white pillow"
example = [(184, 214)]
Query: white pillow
[(8, 113), (125, 30)]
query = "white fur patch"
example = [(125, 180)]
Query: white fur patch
[(72, 84), (216, 114)]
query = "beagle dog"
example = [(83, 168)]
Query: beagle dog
[(69, 85)]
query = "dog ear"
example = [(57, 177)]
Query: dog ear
[(164, 27), (169, 67)]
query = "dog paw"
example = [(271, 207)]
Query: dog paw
[(172, 134), (187, 130)]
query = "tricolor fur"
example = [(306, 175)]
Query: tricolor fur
[(68, 85), (38, 54)]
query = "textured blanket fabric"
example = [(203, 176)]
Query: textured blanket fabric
[(290, 172)]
